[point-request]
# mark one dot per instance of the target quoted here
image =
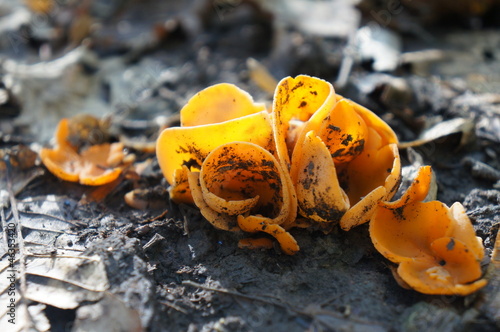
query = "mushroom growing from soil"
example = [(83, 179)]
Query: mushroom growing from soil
[(248, 169), (218, 115), (344, 158), (435, 245), (95, 165), (223, 160)]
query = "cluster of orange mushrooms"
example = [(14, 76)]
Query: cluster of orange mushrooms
[(314, 158)]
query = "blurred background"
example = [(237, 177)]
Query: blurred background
[(139, 61)]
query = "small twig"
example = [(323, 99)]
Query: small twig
[(312, 314), (161, 215), (423, 56), (233, 293), (153, 242), (175, 307), (53, 255), (49, 216), (185, 226), (327, 301), (348, 57), (47, 230), (261, 76), (22, 249), (93, 259)]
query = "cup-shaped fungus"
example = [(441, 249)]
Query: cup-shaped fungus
[(243, 186), (94, 165), (223, 159), (332, 159), (435, 246), (344, 158), (215, 116)]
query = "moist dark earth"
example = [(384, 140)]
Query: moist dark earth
[(168, 269)]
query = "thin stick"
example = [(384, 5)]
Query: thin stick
[(175, 307), (312, 314), (234, 293), (22, 249), (161, 215)]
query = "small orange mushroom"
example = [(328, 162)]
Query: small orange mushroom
[(435, 246), (189, 146), (239, 182), (224, 159), (178, 146), (94, 166), (344, 158)]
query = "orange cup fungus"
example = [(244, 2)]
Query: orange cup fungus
[(320, 156), (344, 157), (250, 169), (94, 166), (223, 159), (435, 246)]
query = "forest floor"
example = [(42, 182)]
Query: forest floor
[(103, 266)]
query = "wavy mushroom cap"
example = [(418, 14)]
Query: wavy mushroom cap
[(344, 158), (335, 159), (219, 114), (240, 177), (435, 246), (189, 146), (218, 103), (97, 165), (295, 101), (239, 182)]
